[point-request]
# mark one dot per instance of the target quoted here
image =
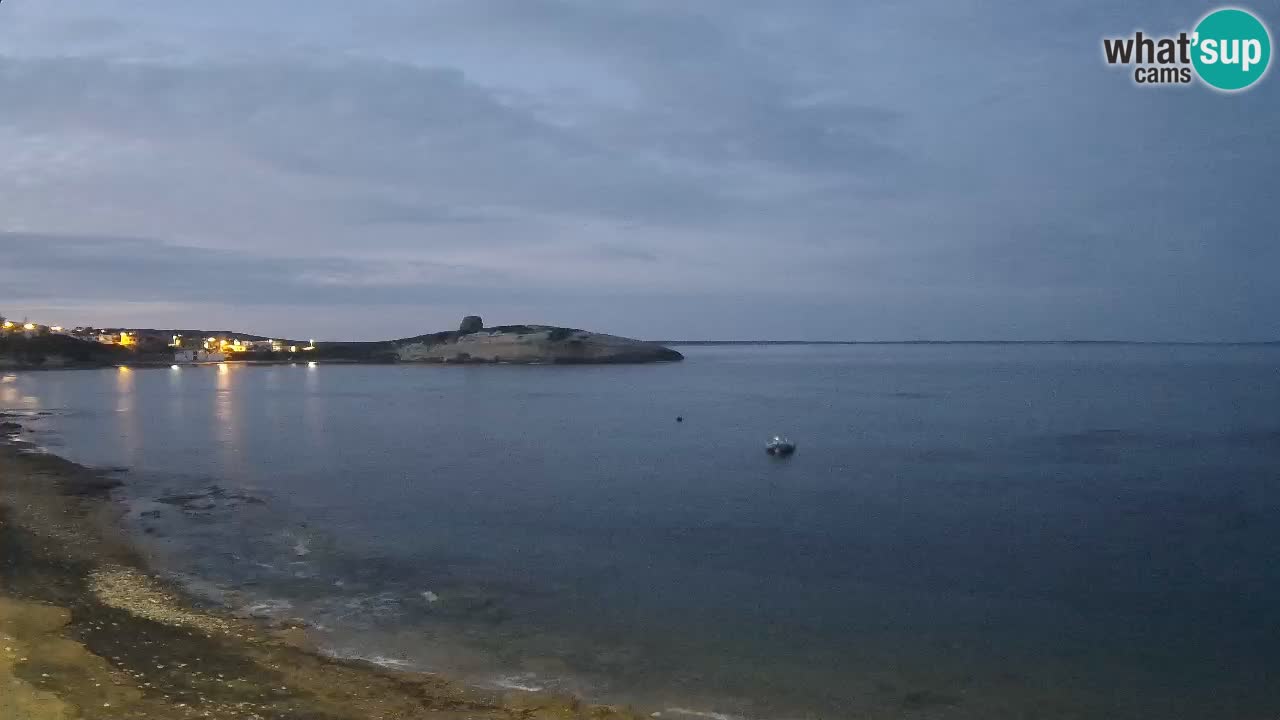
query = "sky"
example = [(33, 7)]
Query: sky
[(706, 169)]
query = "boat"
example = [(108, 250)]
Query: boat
[(780, 446)]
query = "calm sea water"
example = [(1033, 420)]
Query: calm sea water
[(965, 532)]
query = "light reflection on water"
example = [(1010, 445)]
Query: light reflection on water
[(12, 397), (177, 405), (313, 407), (227, 420), (126, 415)]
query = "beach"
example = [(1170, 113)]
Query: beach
[(87, 632)]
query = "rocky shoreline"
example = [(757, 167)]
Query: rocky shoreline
[(87, 632)]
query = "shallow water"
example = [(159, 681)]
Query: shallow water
[(966, 531)]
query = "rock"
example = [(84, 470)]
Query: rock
[(525, 344), (471, 324), (10, 426)]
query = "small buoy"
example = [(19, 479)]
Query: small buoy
[(780, 446), (679, 418)]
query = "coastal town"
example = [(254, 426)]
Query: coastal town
[(188, 347)]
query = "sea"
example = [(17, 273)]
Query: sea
[(990, 531)]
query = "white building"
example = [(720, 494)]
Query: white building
[(192, 355)]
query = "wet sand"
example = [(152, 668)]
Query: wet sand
[(87, 632)]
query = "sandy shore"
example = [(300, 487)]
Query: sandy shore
[(87, 632)]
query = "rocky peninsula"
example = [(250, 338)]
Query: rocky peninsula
[(474, 343), (471, 343), (528, 344)]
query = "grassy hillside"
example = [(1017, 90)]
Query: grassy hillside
[(56, 351)]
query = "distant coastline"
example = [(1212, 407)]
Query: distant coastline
[(34, 346), (30, 346)]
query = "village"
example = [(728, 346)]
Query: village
[(189, 347)]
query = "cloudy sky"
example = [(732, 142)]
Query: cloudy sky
[(729, 169)]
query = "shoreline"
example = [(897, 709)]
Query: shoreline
[(88, 631), (168, 364)]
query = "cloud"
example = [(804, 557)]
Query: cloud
[(947, 169), (143, 270)]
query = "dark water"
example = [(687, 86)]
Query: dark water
[(965, 532)]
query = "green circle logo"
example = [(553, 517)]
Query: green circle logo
[(1232, 49)]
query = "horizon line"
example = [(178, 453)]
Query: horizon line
[(968, 342)]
